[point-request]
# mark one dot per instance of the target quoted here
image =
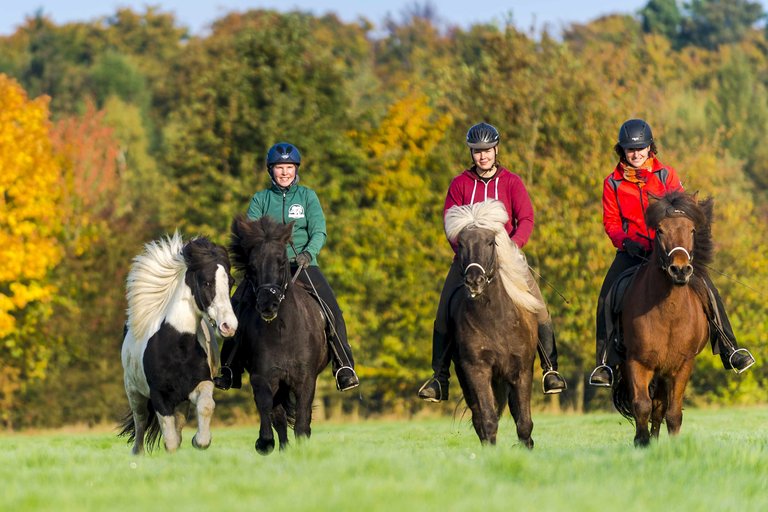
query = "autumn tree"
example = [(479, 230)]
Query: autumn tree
[(30, 224)]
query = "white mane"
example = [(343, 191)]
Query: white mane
[(513, 267), (152, 282)]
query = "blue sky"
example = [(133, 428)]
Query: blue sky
[(197, 14)]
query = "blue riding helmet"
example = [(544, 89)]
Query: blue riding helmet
[(283, 153)]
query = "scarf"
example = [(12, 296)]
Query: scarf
[(637, 175)]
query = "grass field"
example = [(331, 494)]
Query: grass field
[(580, 463)]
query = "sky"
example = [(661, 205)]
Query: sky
[(198, 14)]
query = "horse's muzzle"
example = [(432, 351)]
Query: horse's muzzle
[(680, 274), (227, 330), (476, 285)]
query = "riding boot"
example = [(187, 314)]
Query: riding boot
[(723, 340), (231, 371), (343, 363), (436, 388), (552, 381), (602, 375)]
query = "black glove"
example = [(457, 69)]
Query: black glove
[(303, 259), (634, 249)]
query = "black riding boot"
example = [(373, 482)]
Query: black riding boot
[(602, 375), (552, 381), (436, 388), (343, 364), (723, 340), (231, 371)]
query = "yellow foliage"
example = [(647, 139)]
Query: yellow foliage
[(29, 203)]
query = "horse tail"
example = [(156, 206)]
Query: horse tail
[(152, 430), (621, 399)]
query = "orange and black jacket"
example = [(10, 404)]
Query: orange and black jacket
[(625, 203)]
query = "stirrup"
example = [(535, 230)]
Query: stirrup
[(747, 352), (355, 383), (439, 387), (553, 391), (601, 384), (219, 381)]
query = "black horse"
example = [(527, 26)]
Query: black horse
[(494, 320), (282, 329)]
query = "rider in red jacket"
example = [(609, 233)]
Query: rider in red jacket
[(486, 179), (625, 199)]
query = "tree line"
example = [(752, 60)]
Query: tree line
[(117, 131)]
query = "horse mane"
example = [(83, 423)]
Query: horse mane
[(677, 204), (152, 281), (513, 268), (246, 234)]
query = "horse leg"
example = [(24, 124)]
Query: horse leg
[(304, 398), (168, 428), (280, 422), (140, 412), (519, 400), (677, 390), (262, 396), (639, 378), (202, 398), (485, 417), (660, 400), (181, 418)]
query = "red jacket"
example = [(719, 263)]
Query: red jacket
[(507, 187), (624, 203)]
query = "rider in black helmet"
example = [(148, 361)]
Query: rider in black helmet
[(638, 175), (486, 179)]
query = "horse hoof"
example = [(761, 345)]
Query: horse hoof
[(642, 443), (200, 446), (265, 446)]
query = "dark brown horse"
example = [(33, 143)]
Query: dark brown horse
[(494, 323), (282, 328), (664, 316)]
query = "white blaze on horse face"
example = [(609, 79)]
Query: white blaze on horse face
[(220, 310)]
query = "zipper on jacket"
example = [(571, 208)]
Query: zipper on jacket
[(642, 209), (283, 208)]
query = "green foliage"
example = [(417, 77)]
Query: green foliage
[(662, 17)]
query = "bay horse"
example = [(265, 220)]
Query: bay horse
[(664, 316), (493, 320), (174, 291), (283, 341)]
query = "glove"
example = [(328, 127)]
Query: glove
[(303, 259), (634, 249)]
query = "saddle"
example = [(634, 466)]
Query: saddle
[(612, 312)]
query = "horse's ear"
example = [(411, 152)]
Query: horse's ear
[(652, 199), (695, 196), (288, 233)]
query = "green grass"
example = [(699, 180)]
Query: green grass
[(719, 463)]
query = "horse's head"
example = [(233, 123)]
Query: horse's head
[(682, 234), (259, 248), (210, 281), (477, 256)]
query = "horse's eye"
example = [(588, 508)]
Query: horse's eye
[(660, 231), (207, 284)]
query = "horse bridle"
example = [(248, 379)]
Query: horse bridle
[(665, 255), (275, 289), (488, 276)]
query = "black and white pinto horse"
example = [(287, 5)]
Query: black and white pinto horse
[(175, 293)]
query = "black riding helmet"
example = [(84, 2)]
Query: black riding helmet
[(635, 134), (482, 136)]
